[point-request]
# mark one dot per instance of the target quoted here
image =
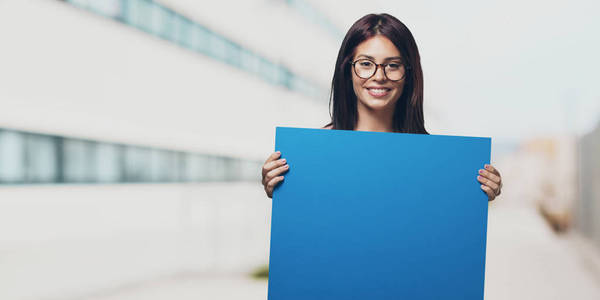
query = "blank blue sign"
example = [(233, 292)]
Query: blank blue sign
[(372, 215)]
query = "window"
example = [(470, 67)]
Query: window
[(41, 162), (158, 20), (12, 156), (38, 158), (79, 161)]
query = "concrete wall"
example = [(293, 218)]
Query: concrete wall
[(66, 241)]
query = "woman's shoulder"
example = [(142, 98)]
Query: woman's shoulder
[(328, 126)]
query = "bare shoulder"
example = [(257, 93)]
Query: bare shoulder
[(328, 126)]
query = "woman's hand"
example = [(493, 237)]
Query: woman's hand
[(491, 181), (271, 171)]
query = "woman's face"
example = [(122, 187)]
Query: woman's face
[(377, 92)]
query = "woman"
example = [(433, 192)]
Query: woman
[(377, 86)]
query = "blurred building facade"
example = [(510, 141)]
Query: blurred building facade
[(132, 134), (587, 210)]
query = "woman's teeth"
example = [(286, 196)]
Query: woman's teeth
[(378, 92)]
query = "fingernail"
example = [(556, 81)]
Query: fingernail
[(287, 166), (482, 186), (479, 177), (283, 160), (480, 171), (278, 152)]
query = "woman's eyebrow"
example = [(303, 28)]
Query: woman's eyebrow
[(388, 58)]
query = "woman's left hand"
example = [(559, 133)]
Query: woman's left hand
[(491, 181)]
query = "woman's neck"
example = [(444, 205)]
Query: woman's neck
[(372, 120)]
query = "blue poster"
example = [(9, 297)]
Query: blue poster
[(373, 215)]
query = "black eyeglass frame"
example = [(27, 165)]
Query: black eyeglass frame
[(406, 68)]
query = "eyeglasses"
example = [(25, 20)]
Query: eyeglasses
[(366, 68)]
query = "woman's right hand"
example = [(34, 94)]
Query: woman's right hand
[(271, 172)]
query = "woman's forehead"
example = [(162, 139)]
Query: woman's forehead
[(378, 47)]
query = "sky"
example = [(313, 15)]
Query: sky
[(507, 69)]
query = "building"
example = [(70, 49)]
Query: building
[(132, 135)]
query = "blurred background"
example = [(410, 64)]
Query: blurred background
[(132, 133)]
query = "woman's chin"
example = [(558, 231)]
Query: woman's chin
[(377, 103)]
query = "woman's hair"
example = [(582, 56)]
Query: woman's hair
[(408, 114)]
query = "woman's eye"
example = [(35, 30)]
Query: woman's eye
[(394, 66), (365, 63)]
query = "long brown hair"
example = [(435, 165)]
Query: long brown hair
[(408, 113)]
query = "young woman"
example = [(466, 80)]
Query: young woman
[(377, 86)]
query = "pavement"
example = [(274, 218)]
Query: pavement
[(525, 260)]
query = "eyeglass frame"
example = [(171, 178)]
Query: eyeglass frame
[(406, 68)]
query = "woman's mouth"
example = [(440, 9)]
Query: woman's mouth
[(378, 92)]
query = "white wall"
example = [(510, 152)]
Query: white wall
[(67, 241), (66, 71)]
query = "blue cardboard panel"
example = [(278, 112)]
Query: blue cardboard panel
[(371, 215)]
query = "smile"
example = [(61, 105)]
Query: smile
[(378, 92)]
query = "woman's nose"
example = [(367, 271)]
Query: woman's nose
[(379, 74)]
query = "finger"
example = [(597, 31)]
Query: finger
[(268, 167), (492, 169), (489, 175), (276, 172), (488, 182), (499, 190), (272, 184), (489, 192), (275, 155)]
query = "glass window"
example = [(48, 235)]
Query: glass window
[(249, 61), (269, 70), (196, 168), (108, 8), (80, 3), (218, 47), (181, 31), (37, 158), (232, 169), (137, 167), (283, 76), (41, 156), (161, 21), (297, 84), (139, 14), (12, 156), (109, 158), (233, 51), (163, 166), (200, 37), (79, 161), (216, 169)]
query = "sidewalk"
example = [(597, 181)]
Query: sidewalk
[(191, 288), (525, 260)]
